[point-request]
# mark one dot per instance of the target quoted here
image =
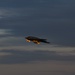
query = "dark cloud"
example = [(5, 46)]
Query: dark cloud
[(29, 56), (46, 18)]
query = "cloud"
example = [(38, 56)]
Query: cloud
[(51, 19), (32, 56), (4, 54), (4, 31), (10, 41)]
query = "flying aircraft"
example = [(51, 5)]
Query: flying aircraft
[(36, 40)]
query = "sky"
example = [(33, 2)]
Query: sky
[(53, 20)]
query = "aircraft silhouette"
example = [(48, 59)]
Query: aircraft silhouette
[(36, 40)]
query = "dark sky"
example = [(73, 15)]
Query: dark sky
[(50, 19), (53, 20)]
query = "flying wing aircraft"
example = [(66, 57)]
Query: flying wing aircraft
[(36, 40)]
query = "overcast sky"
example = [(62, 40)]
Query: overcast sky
[(53, 20)]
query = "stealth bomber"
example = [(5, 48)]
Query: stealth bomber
[(36, 40)]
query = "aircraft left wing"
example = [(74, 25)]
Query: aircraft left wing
[(36, 42)]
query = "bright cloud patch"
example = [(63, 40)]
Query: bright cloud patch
[(4, 31), (4, 53)]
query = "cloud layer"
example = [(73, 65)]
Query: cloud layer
[(50, 19), (15, 56)]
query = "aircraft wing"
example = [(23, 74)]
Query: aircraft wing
[(36, 42), (27, 40)]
